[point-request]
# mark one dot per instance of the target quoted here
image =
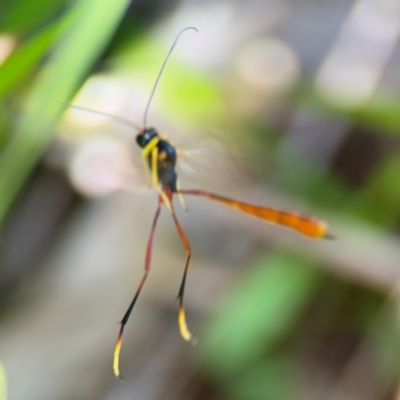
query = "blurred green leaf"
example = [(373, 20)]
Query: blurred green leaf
[(191, 97), (379, 200), (300, 177), (382, 113), (59, 79), (258, 312), (385, 334), (3, 384), (19, 16), (187, 95), (23, 61), (272, 380)]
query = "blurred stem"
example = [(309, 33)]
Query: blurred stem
[(73, 57)]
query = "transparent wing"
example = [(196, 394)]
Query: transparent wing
[(221, 161), (97, 159), (101, 165)]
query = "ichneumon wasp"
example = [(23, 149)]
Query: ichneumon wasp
[(159, 158)]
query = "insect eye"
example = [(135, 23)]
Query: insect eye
[(140, 140)]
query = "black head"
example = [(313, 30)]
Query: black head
[(145, 136)]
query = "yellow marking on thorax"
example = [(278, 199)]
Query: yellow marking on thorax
[(162, 155), (146, 152), (156, 184)]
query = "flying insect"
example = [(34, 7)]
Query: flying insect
[(159, 157)]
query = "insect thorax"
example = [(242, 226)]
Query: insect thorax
[(166, 156), (166, 164)]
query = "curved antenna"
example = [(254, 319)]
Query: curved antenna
[(118, 120), (162, 69)]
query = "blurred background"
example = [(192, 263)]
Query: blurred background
[(292, 104)]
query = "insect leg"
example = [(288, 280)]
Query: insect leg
[(186, 334), (128, 312), (156, 184), (180, 196)]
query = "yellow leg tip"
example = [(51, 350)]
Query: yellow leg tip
[(116, 359), (185, 333)]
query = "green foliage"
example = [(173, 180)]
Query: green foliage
[(380, 198), (23, 62), (258, 313), (72, 58), (3, 384), (260, 342), (384, 339), (183, 94), (19, 17)]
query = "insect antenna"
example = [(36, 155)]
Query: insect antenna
[(118, 120), (162, 69)]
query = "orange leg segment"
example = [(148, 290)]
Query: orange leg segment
[(185, 332), (128, 312)]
